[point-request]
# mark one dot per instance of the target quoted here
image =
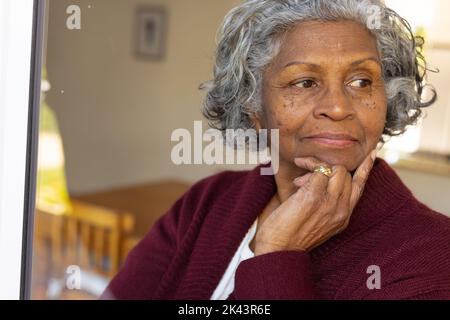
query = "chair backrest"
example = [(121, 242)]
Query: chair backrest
[(90, 237)]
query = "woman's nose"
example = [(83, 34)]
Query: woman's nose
[(335, 104)]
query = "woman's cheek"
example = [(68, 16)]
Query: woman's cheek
[(374, 124), (289, 129)]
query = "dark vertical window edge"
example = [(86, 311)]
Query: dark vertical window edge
[(32, 147)]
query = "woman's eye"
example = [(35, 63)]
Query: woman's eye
[(360, 83), (306, 84)]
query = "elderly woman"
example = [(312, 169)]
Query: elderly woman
[(334, 222)]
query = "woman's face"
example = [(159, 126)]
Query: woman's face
[(326, 80)]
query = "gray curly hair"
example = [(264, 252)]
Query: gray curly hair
[(251, 36)]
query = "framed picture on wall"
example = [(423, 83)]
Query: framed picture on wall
[(151, 27)]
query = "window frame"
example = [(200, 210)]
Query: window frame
[(19, 128)]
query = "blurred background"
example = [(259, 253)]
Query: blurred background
[(120, 76)]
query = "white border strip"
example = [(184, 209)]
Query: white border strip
[(16, 20)]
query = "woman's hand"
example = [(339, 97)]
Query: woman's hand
[(320, 209)]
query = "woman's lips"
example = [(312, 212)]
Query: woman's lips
[(333, 140)]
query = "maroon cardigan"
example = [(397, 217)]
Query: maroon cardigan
[(188, 250)]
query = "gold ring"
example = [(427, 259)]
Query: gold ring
[(324, 170)]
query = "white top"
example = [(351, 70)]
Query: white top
[(226, 285)]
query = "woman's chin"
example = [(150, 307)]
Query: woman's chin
[(350, 162)]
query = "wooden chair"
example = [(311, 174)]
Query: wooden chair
[(90, 237)]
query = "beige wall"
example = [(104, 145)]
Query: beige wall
[(435, 134), (433, 190), (117, 113)]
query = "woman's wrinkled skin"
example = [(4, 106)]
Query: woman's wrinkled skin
[(326, 78)]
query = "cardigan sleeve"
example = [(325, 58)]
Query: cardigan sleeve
[(402, 291), (288, 275), (418, 270), (146, 264), (285, 275), (414, 287), (434, 295)]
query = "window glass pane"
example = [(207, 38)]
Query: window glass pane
[(119, 77), (120, 93)]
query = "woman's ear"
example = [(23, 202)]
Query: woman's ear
[(256, 121)]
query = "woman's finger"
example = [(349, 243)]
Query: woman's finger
[(337, 181), (309, 163), (301, 181), (344, 201), (360, 178), (317, 182)]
